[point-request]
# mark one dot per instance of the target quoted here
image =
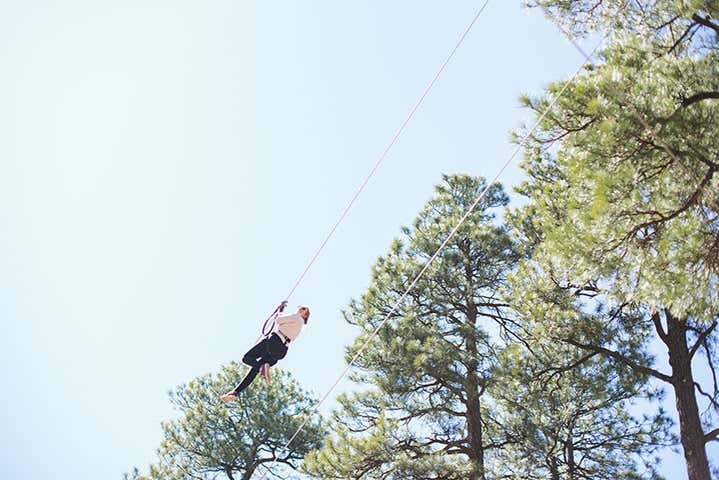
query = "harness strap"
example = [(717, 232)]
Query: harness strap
[(269, 324)]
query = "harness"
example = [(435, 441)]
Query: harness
[(269, 323)]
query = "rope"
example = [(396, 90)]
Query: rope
[(267, 323), (386, 150), (434, 256)]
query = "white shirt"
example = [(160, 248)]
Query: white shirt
[(289, 325)]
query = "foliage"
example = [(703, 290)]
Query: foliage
[(638, 208), (666, 25), (572, 415), (449, 390), (212, 439), (430, 363), (623, 221)]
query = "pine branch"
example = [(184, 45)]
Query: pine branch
[(622, 359), (706, 21), (698, 97), (702, 338)]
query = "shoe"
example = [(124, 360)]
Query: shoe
[(229, 397)]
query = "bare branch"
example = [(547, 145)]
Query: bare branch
[(620, 358), (702, 338), (706, 21), (711, 399), (682, 37), (713, 435), (698, 97), (659, 327)]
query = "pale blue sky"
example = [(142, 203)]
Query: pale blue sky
[(168, 168)]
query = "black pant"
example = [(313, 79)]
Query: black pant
[(270, 350)]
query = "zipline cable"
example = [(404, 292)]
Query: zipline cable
[(435, 255), (269, 322), (387, 149)]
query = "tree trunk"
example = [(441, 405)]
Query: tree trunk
[(571, 465), (474, 429), (249, 471), (690, 427), (553, 468), (228, 472), (474, 413)]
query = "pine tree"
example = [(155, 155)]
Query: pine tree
[(623, 220), (440, 396), (429, 366), (234, 440)]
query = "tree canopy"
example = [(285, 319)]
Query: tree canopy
[(448, 392), (236, 440), (622, 227)]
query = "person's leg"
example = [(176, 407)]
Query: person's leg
[(247, 380), (254, 358), (267, 352), (255, 355), (277, 351), (276, 348)]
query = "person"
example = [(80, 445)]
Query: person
[(271, 349)]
